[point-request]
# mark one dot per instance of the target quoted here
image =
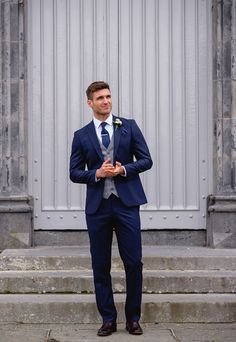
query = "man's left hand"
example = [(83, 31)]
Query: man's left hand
[(119, 169)]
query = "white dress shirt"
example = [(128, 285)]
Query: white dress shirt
[(108, 127)]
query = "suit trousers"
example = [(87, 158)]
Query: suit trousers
[(114, 215)]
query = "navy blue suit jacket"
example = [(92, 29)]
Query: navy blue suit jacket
[(130, 149)]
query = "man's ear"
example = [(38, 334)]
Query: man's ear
[(90, 102)]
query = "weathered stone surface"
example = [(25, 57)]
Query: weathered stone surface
[(81, 281), (82, 308), (15, 213), (224, 27), (163, 332), (68, 270), (12, 123), (158, 237), (15, 222), (221, 231), (82, 333), (154, 258), (188, 284)]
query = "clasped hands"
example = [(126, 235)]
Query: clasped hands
[(109, 170)]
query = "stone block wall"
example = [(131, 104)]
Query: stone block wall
[(15, 208), (221, 224)]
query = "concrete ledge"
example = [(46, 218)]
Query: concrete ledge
[(82, 308), (154, 258), (160, 237), (222, 203), (15, 222), (81, 281)]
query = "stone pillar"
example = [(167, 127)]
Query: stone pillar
[(222, 205), (15, 204)]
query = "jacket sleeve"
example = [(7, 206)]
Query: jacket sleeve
[(78, 172), (143, 160)]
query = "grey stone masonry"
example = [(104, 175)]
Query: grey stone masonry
[(13, 123), (222, 205), (15, 222), (55, 285)]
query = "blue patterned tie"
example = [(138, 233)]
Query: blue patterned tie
[(105, 135)]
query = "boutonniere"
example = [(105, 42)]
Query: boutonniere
[(117, 122)]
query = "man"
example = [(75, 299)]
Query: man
[(108, 154)]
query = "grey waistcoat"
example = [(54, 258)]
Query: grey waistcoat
[(109, 187)]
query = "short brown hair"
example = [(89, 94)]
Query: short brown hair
[(95, 86)]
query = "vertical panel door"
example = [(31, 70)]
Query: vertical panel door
[(156, 57)]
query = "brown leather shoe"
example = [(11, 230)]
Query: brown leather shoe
[(107, 329), (134, 328)]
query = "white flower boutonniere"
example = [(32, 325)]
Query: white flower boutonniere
[(117, 122)]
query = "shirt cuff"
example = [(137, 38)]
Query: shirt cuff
[(125, 173), (97, 179)]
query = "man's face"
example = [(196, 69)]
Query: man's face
[(101, 103)]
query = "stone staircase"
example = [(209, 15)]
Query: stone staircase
[(55, 285)]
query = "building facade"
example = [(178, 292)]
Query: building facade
[(171, 67)]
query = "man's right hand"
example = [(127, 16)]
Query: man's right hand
[(106, 170)]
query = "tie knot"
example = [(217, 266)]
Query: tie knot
[(103, 124)]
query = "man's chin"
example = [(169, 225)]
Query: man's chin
[(105, 113)]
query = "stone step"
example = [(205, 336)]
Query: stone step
[(154, 258), (72, 308), (81, 281)]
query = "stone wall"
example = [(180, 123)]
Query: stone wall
[(13, 128), (222, 205)]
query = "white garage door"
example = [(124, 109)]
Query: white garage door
[(156, 57)]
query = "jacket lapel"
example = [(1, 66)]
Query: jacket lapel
[(117, 135), (94, 139)]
